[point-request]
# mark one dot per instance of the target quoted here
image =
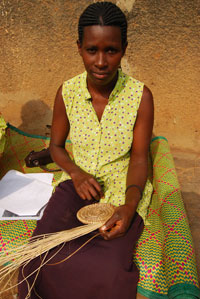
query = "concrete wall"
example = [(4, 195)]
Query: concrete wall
[(38, 52)]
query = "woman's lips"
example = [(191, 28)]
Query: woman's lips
[(100, 75)]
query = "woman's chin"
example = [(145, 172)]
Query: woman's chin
[(101, 79)]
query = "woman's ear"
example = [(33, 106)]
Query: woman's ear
[(79, 47)]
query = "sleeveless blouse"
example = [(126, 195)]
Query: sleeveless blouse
[(102, 148)]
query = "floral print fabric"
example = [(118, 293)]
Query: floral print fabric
[(102, 148)]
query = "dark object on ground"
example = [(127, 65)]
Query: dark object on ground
[(40, 159)]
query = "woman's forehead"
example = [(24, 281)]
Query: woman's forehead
[(96, 33)]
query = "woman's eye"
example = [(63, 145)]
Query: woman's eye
[(112, 51), (91, 50)]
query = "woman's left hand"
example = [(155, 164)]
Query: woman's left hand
[(118, 224)]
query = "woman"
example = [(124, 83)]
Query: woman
[(109, 116)]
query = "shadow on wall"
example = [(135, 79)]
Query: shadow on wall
[(36, 118)]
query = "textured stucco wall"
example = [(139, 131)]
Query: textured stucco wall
[(38, 52)]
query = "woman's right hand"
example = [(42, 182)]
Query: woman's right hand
[(86, 185)]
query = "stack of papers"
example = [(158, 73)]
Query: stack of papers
[(24, 196)]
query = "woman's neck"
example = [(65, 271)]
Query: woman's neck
[(103, 91)]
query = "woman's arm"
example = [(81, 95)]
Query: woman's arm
[(118, 224), (84, 183), (138, 165)]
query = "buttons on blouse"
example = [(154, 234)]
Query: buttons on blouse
[(98, 129)]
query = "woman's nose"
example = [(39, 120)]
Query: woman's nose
[(101, 61)]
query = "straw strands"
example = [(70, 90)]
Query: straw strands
[(96, 215)]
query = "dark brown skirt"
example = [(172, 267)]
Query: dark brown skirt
[(100, 270)]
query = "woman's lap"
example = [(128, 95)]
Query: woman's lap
[(101, 269)]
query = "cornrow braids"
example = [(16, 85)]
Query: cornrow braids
[(103, 14)]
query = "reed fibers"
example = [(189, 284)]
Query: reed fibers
[(95, 215)]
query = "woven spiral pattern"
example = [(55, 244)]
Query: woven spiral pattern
[(98, 212)]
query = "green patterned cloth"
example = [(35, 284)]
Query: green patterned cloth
[(164, 252)]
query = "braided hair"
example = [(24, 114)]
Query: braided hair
[(103, 14)]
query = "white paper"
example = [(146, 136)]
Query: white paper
[(25, 194), (43, 177)]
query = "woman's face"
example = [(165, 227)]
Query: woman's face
[(101, 50)]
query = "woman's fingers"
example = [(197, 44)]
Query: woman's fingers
[(86, 185), (90, 189), (81, 194), (118, 224), (114, 232), (95, 189), (93, 182), (113, 227), (111, 222)]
